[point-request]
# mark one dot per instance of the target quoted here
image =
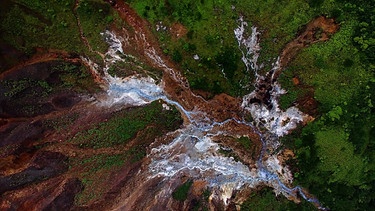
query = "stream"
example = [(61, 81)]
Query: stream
[(193, 151)]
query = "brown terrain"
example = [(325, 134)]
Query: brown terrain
[(318, 30), (37, 170)]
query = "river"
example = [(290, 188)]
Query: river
[(193, 151)]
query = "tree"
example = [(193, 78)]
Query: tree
[(336, 155)]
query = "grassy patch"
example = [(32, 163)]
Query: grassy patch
[(97, 170), (278, 23), (144, 124), (28, 24), (335, 77), (266, 200), (210, 26), (75, 77), (55, 77), (228, 152), (61, 123), (131, 65), (294, 91), (322, 149), (29, 93), (181, 192), (210, 35), (94, 16), (124, 126), (245, 142)]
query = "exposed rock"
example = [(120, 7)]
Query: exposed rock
[(37, 180), (43, 165), (53, 194)]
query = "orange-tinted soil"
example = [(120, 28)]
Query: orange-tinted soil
[(34, 158), (318, 30)]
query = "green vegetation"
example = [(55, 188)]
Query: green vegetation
[(100, 162), (94, 16), (278, 21), (141, 125), (30, 93), (124, 126), (30, 24), (321, 67), (104, 136), (210, 24), (265, 200), (228, 152), (245, 142), (16, 87), (336, 155), (334, 151), (72, 76), (251, 148), (339, 147), (97, 169), (209, 33), (75, 77), (241, 144), (61, 123), (131, 65), (181, 192)]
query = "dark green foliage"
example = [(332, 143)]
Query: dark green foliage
[(334, 153), (190, 34), (96, 170), (205, 37), (15, 88), (339, 147), (364, 36), (315, 3), (348, 63), (228, 60), (181, 192), (245, 142), (75, 77), (265, 200), (176, 56), (337, 14), (141, 124), (124, 130), (61, 123), (94, 17), (120, 129), (100, 162), (229, 153), (28, 24)]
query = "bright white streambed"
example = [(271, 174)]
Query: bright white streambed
[(193, 151)]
